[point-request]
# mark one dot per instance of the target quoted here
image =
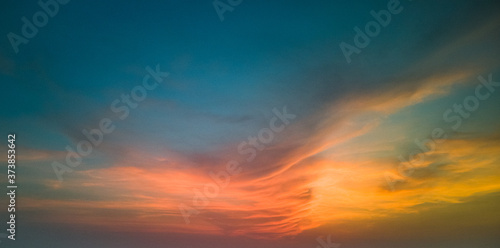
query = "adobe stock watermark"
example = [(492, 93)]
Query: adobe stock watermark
[(455, 115), (95, 137), (371, 30), (222, 7), (326, 244), (247, 148), (29, 29)]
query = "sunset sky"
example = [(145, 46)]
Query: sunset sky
[(256, 130)]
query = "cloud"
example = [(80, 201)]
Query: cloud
[(309, 178)]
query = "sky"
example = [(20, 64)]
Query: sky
[(235, 123)]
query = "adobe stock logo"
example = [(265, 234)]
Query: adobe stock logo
[(29, 29), (221, 7), (327, 244), (250, 148), (372, 29), (95, 137), (456, 115)]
